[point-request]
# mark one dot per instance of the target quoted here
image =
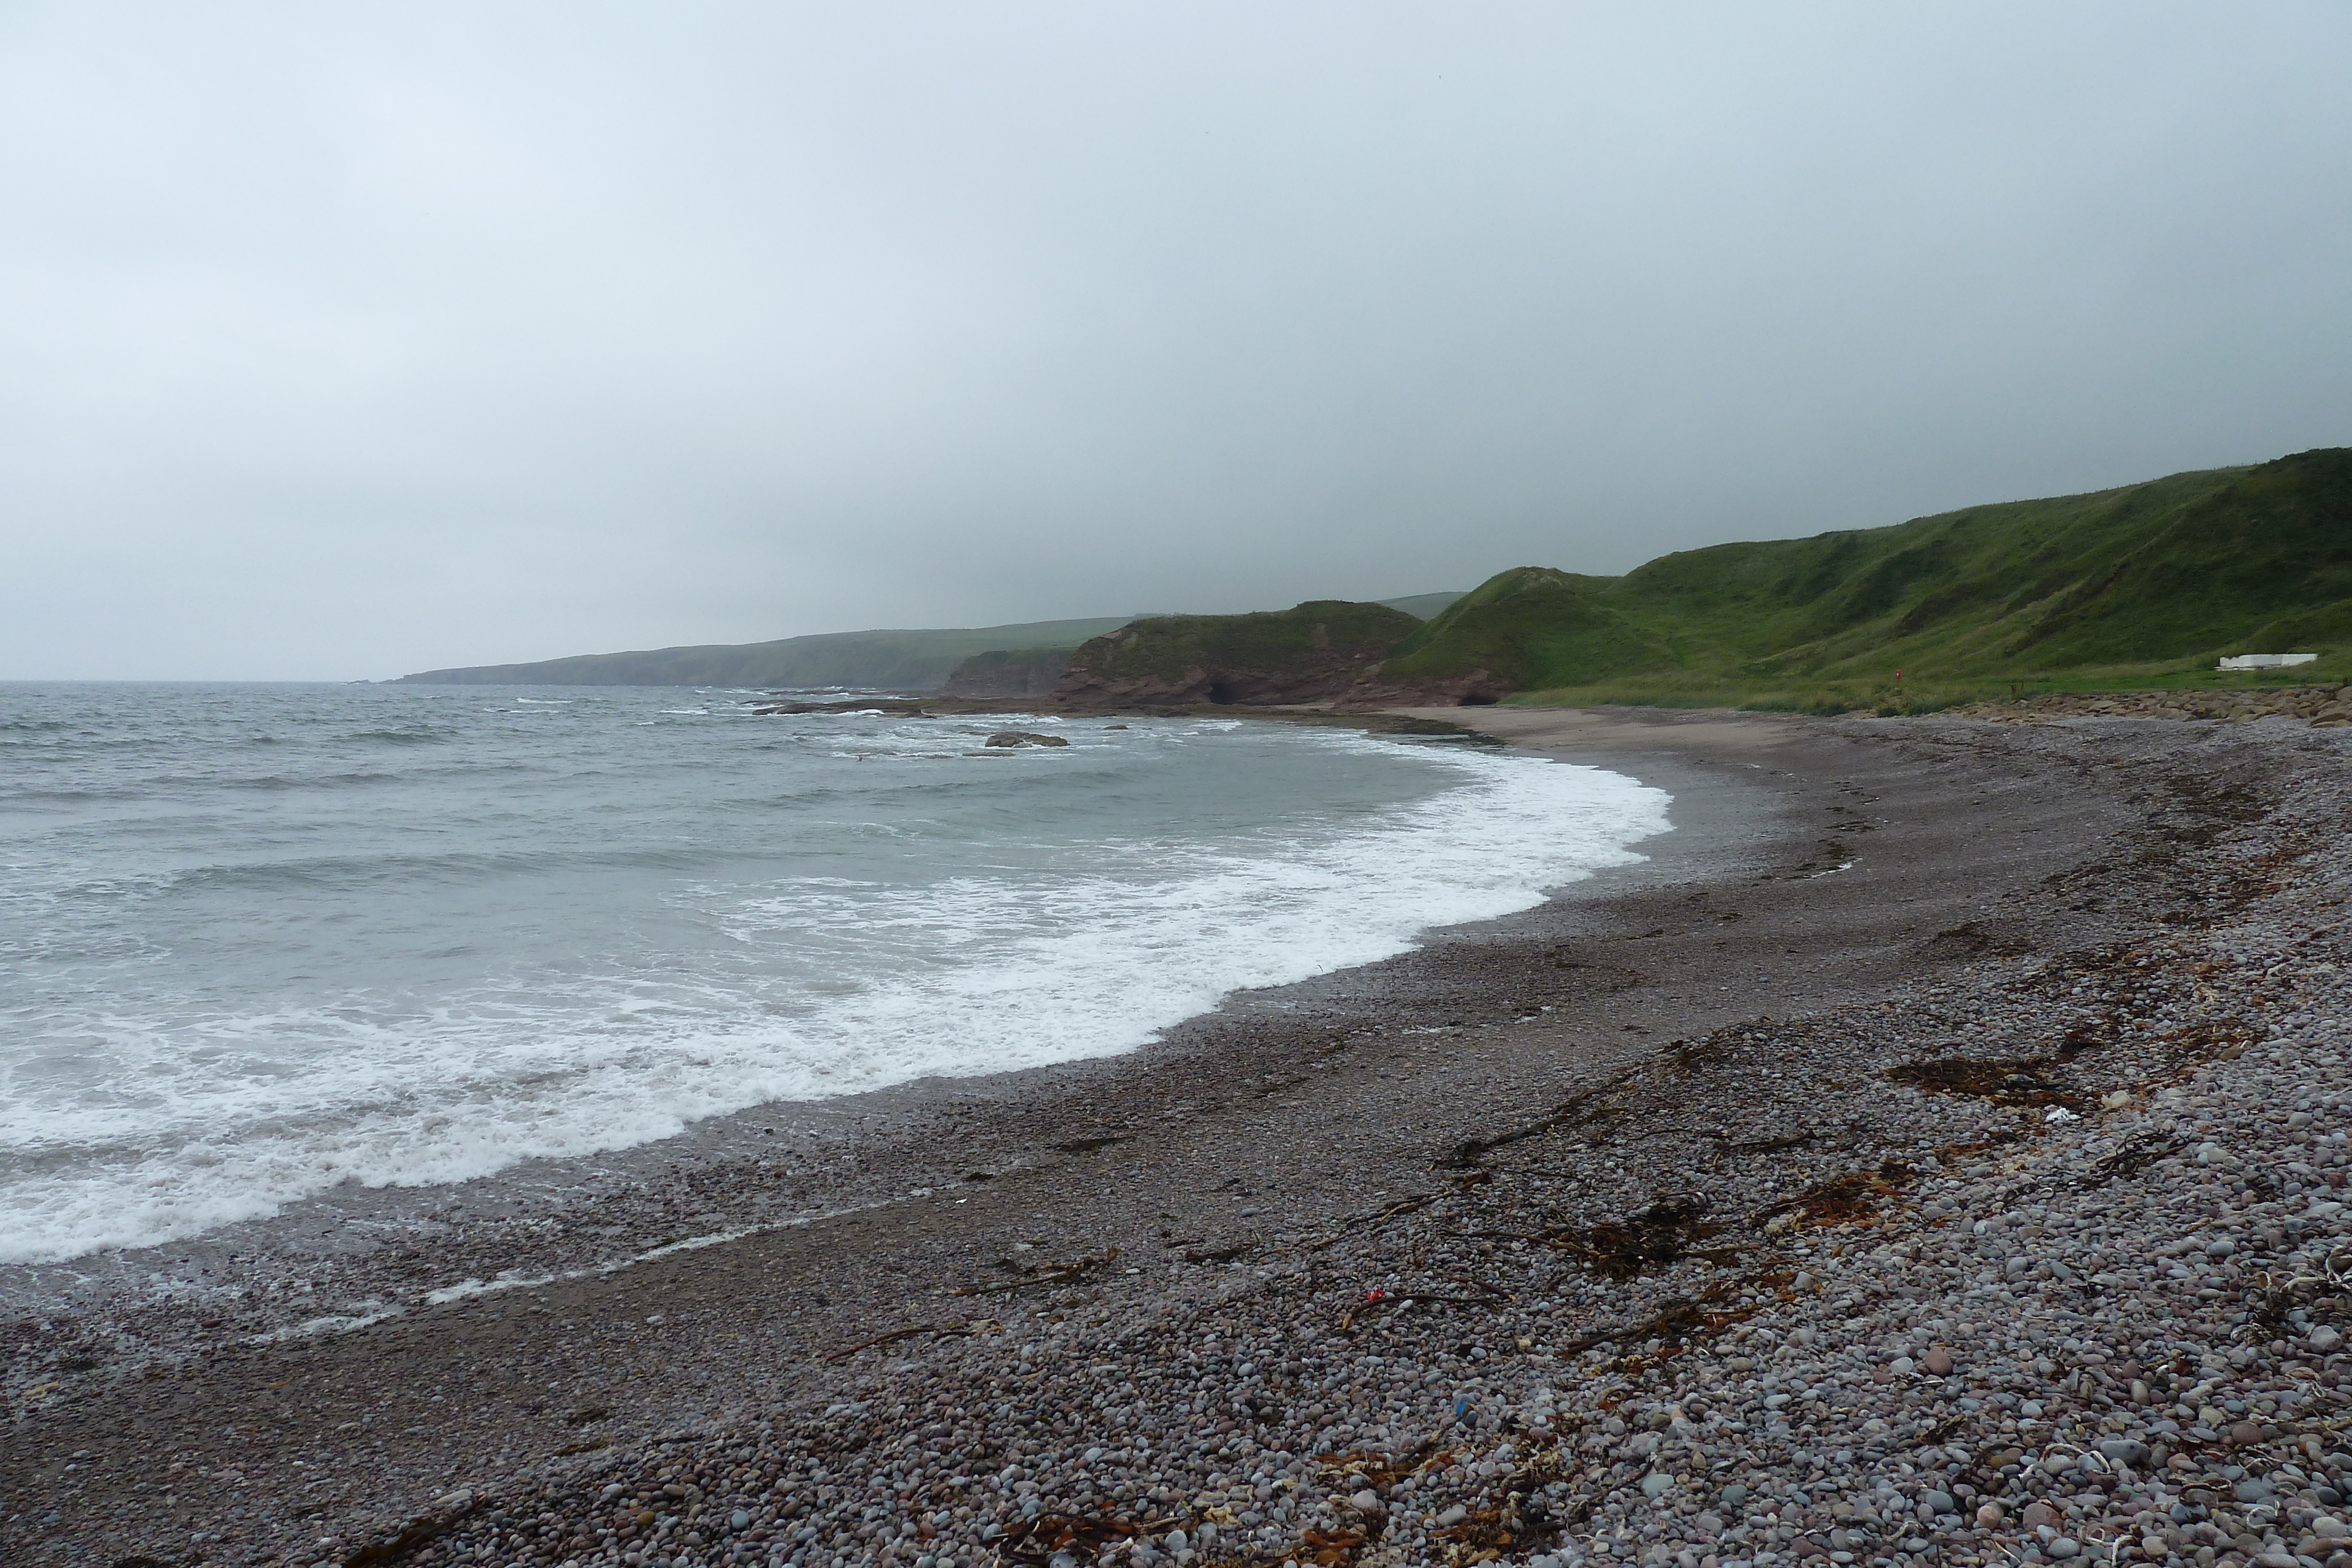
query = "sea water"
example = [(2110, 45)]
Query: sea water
[(257, 941)]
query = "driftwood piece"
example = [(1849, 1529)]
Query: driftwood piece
[(1051, 1274), (894, 1336), (1368, 1221)]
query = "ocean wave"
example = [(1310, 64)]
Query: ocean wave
[(1081, 942), (428, 735), (409, 871)]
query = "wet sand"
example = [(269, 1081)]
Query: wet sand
[(1815, 866)]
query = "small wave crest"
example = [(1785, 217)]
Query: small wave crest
[(423, 735)]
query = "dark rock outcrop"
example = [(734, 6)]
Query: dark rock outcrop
[(1313, 653)]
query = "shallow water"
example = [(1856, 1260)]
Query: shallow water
[(259, 940)]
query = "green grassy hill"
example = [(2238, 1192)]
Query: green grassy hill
[(2144, 584)]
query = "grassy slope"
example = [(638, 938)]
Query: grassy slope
[(2143, 585)]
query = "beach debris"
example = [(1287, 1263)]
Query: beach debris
[(1772, 1146), (2016, 1084), (1376, 1299), (1677, 1322), (895, 1336), (1371, 1221), (1852, 1198), (1089, 1537), (1569, 1112), (1218, 1254), (444, 1514), (1653, 1239), (1040, 1275)]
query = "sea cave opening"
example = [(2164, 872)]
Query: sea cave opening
[(1221, 693)]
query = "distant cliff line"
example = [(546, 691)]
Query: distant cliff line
[(908, 660)]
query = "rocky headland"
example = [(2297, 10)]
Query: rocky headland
[(1319, 652)]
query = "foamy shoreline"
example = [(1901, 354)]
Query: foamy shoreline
[(356, 1255)]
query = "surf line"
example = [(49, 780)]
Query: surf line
[(441, 1296)]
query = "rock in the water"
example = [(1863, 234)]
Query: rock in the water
[(1024, 738)]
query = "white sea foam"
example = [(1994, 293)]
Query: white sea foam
[(987, 970)]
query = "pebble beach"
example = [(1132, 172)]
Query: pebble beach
[(1944, 1163)]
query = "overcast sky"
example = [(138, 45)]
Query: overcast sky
[(346, 340)]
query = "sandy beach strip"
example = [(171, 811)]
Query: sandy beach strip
[(1395, 1186)]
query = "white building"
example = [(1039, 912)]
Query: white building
[(2265, 661)]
